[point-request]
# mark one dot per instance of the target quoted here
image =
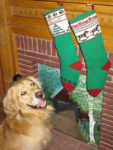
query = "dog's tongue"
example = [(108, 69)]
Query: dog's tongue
[(42, 104)]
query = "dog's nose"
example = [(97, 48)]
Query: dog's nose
[(39, 94)]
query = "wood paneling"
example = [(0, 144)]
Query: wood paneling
[(27, 17)]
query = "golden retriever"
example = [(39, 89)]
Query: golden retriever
[(27, 125)]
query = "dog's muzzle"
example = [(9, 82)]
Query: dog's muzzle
[(42, 103)]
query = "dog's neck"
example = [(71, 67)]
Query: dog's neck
[(34, 115)]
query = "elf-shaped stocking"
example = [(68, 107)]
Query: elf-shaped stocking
[(87, 31), (69, 61)]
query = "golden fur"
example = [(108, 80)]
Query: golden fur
[(26, 126)]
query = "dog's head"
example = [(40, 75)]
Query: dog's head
[(25, 93)]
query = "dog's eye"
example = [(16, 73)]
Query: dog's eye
[(23, 93), (33, 84)]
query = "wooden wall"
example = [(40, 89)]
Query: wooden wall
[(26, 16)]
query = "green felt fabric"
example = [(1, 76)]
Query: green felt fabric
[(93, 51), (60, 30), (67, 54)]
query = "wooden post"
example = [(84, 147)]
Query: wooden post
[(7, 68)]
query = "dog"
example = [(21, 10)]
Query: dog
[(27, 125)]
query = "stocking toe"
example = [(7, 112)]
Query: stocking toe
[(94, 92), (68, 87)]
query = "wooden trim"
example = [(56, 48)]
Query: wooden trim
[(96, 2)]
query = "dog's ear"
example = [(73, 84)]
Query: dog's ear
[(10, 106)]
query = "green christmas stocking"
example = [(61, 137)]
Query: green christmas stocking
[(87, 31), (69, 61)]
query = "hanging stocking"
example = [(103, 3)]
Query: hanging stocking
[(87, 31), (70, 64)]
